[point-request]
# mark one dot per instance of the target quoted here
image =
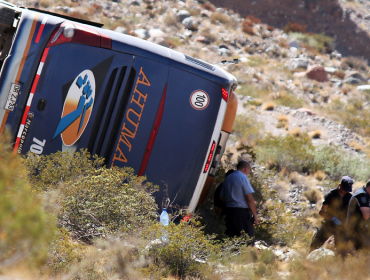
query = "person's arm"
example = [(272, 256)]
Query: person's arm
[(323, 213), (365, 212), (252, 207)]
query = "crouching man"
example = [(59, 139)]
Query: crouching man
[(334, 211)]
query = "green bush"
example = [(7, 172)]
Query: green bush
[(247, 129), (287, 152), (337, 162), (318, 41), (94, 200), (115, 201), (48, 172), (182, 253), (25, 228)]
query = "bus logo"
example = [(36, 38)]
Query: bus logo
[(199, 100), (77, 108)]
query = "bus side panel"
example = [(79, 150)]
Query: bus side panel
[(133, 135), (184, 135), (72, 79)]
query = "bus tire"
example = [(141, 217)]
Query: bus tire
[(6, 16)]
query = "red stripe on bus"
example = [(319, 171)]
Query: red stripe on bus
[(39, 33), (153, 134), (33, 89)]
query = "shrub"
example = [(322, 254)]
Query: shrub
[(115, 201), (295, 27), (283, 121), (25, 228), (220, 17), (288, 100), (316, 134), (247, 129), (354, 62), (319, 42), (313, 195), (293, 154), (337, 162), (268, 106), (47, 172), (182, 252)]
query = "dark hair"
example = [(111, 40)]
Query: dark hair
[(367, 184), (243, 164), (229, 172)]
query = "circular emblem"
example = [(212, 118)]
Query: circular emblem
[(77, 108), (199, 100)]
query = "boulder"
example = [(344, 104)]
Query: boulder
[(317, 73), (181, 15), (190, 23), (354, 74), (364, 87), (300, 62), (142, 33), (352, 81), (319, 254), (121, 29)]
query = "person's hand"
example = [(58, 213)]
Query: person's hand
[(256, 221), (336, 221)]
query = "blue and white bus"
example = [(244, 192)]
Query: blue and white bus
[(67, 84)]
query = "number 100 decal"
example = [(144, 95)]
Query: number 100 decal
[(199, 100)]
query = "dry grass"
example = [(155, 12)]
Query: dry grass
[(283, 122), (220, 17), (294, 178), (316, 134), (295, 131), (282, 189), (268, 106), (313, 195), (356, 146), (295, 27), (208, 6), (319, 175)]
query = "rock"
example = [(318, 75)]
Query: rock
[(354, 74), (330, 70), (223, 51), (202, 39), (294, 44), (363, 87), (317, 73), (135, 2), (183, 14), (300, 62), (352, 81), (307, 111), (121, 29), (160, 39), (142, 33), (318, 254), (190, 23)]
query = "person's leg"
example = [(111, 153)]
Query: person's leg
[(322, 234)]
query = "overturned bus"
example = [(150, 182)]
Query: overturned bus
[(67, 84)]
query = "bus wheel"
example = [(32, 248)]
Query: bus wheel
[(6, 16)]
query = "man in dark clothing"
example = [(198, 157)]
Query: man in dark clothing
[(358, 217), (334, 211), (218, 203), (241, 210)]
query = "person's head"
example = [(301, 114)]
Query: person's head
[(244, 167), (229, 172), (345, 184), (367, 184)]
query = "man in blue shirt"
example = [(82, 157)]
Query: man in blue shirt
[(240, 205)]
